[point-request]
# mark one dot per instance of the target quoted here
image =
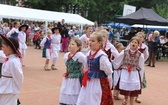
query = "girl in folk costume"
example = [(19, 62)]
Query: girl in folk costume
[(71, 84), (12, 74), (85, 40), (55, 43), (119, 47), (46, 44), (130, 62), (95, 85), (14, 31), (109, 49), (143, 48), (22, 41)]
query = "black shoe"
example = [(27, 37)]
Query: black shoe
[(153, 66), (148, 65)]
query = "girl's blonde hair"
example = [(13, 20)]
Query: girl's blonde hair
[(141, 33), (99, 37), (118, 45), (98, 29), (77, 41), (49, 31), (104, 32), (134, 38)]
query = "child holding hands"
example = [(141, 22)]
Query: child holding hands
[(95, 85), (71, 85), (46, 44), (130, 62)]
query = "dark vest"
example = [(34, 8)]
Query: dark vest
[(47, 44), (94, 68)]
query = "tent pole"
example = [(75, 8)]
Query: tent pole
[(81, 28), (46, 27)]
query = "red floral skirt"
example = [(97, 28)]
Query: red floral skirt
[(106, 92)]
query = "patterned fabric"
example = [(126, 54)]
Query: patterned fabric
[(109, 53), (94, 68), (144, 82), (74, 69), (106, 92), (141, 49), (131, 62)]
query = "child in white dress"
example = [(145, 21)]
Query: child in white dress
[(85, 40), (95, 85), (55, 44), (110, 50), (119, 47), (130, 62), (71, 84), (46, 44), (22, 41)]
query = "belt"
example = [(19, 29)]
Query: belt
[(5, 76)]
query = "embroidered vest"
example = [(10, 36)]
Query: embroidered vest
[(47, 44), (141, 49), (15, 35), (94, 68), (74, 68), (108, 52), (132, 61)]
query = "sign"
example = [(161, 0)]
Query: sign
[(128, 9)]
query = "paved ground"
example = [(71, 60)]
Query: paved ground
[(43, 87)]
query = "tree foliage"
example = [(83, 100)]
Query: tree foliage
[(102, 11)]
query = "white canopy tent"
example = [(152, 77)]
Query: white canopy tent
[(13, 12)]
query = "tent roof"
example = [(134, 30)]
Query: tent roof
[(143, 16), (14, 12)]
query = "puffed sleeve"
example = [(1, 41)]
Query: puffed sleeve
[(10, 32), (43, 41), (146, 53), (141, 65), (114, 51), (17, 73), (83, 59), (2, 57), (117, 62), (66, 57), (105, 65)]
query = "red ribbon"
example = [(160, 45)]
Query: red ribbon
[(6, 59), (129, 68), (85, 79), (92, 56)]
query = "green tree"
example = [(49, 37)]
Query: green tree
[(102, 11), (162, 9)]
